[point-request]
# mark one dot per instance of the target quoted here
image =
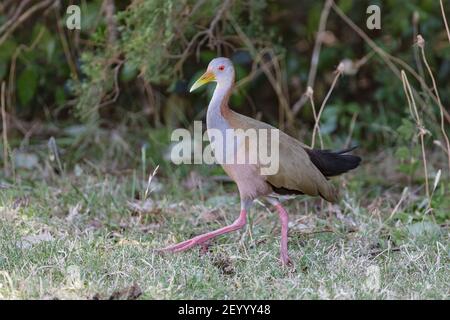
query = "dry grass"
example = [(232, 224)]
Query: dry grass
[(84, 236), (422, 131)]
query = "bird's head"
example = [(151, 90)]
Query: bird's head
[(220, 70)]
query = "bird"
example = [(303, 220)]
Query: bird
[(301, 170)]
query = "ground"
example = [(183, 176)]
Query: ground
[(82, 234)]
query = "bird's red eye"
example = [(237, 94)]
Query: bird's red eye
[(221, 68)]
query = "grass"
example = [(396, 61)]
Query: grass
[(85, 234)]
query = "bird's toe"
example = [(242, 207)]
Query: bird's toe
[(286, 261)]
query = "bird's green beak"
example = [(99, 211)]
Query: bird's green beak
[(208, 76)]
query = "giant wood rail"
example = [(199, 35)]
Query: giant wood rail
[(301, 170)]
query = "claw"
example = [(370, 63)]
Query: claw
[(286, 261)]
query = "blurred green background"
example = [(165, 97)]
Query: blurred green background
[(128, 70)]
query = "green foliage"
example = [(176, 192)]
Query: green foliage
[(407, 152), (156, 37), (148, 36), (164, 45), (155, 34), (158, 41), (27, 84), (91, 92)]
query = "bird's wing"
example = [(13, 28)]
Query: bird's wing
[(296, 171)]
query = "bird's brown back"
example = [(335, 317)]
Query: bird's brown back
[(296, 171)]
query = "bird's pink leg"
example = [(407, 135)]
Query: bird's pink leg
[(238, 224), (284, 219)]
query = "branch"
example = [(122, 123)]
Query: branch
[(445, 20), (275, 81), (15, 15), (5, 130), (315, 56), (207, 34), (111, 21), (339, 71), (421, 43), (388, 59), (24, 17)]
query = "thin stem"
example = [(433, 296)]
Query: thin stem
[(23, 17), (441, 107), (322, 107), (422, 130), (316, 121), (445, 20), (387, 58), (4, 130), (425, 169), (315, 56)]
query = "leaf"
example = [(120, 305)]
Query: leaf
[(128, 72), (50, 49), (436, 180), (402, 153), (406, 130), (346, 5), (7, 49), (60, 96), (26, 85), (329, 120), (2, 69), (207, 56), (90, 13)]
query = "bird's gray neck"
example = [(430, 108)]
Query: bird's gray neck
[(214, 117), (216, 121)]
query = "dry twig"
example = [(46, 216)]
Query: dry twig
[(111, 21), (445, 20), (421, 44), (338, 72), (422, 130), (315, 56), (389, 59), (4, 130), (38, 6), (275, 80)]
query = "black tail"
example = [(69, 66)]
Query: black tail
[(333, 163)]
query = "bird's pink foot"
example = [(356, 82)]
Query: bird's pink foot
[(201, 239), (285, 260), (181, 246), (284, 256), (187, 244)]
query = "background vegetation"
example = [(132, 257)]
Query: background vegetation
[(87, 116)]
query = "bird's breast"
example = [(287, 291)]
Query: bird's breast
[(221, 136)]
